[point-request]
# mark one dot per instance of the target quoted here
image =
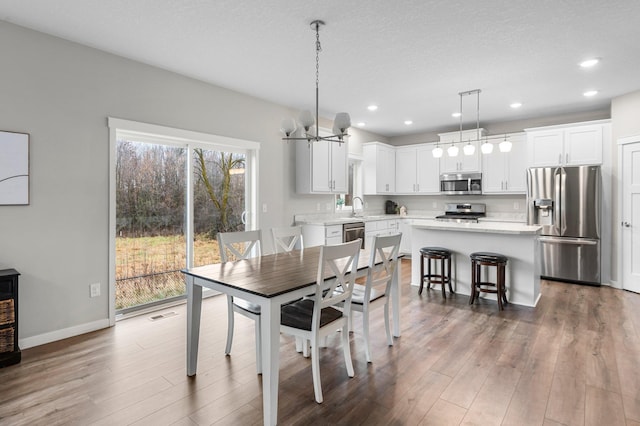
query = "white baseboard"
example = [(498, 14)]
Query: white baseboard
[(65, 333)]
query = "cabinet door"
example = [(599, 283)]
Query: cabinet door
[(493, 172), (339, 167), (320, 166), (386, 170), (545, 148), (516, 166), (406, 170), (583, 145), (427, 171)]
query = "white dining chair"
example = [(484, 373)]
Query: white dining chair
[(314, 318), (287, 239), (375, 293), (241, 245)]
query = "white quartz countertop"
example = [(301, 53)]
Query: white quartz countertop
[(488, 227)]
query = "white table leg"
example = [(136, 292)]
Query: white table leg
[(194, 308), (395, 299), (270, 360)]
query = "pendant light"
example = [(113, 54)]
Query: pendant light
[(486, 147), (437, 151), (505, 145), (341, 123)]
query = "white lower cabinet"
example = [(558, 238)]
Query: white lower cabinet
[(405, 242), (318, 235), (378, 228)]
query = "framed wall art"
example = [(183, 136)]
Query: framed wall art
[(14, 168)]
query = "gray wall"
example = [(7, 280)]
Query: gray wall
[(625, 116), (61, 93)]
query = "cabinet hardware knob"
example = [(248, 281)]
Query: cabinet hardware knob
[(626, 224)]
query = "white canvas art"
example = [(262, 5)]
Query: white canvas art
[(14, 168)]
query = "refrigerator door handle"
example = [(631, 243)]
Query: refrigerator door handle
[(566, 240), (557, 195)]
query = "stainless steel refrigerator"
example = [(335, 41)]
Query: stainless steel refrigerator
[(566, 202)]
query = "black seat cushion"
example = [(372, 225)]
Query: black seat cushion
[(299, 315), (485, 256), (438, 251)]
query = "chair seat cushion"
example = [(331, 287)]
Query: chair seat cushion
[(357, 298), (299, 315), (247, 306), (485, 256), (435, 251)]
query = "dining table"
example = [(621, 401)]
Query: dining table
[(269, 281)]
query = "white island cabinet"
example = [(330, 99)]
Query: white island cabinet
[(517, 241)]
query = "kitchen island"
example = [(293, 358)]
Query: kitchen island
[(517, 241)]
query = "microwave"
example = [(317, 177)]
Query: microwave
[(461, 183)]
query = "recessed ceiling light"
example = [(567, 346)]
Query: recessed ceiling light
[(590, 93), (408, 122), (456, 114), (360, 124), (372, 107), (516, 105), (589, 63)]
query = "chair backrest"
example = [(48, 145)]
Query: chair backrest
[(240, 245), (341, 261), (285, 239), (382, 263)]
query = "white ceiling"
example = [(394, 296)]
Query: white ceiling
[(410, 57)]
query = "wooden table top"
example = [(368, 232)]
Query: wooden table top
[(270, 275)]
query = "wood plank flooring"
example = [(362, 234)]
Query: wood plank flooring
[(573, 360)]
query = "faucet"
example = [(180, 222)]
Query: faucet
[(353, 205)]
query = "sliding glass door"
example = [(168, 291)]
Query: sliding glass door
[(171, 199)]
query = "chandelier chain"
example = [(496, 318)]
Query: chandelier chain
[(318, 50)]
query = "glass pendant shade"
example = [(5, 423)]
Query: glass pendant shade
[(342, 122), (505, 146), (306, 119), (486, 148), (453, 151), (288, 126), (469, 149), (437, 152)]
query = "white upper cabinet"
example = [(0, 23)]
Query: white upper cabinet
[(321, 167), (505, 172), (568, 145), (379, 168), (417, 172), (461, 162)]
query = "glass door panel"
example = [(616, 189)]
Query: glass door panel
[(150, 212), (219, 195)]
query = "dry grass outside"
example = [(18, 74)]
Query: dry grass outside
[(148, 268)]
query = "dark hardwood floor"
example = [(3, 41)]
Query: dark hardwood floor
[(573, 360)]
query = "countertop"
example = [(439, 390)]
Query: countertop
[(486, 226), (324, 220)]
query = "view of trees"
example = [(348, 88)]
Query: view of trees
[(150, 213), (150, 190)]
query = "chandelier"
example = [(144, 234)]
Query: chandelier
[(486, 147), (306, 120)]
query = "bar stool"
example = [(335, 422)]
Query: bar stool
[(436, 254), (479, 259)]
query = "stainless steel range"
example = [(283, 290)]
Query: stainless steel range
[(463, 212)]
